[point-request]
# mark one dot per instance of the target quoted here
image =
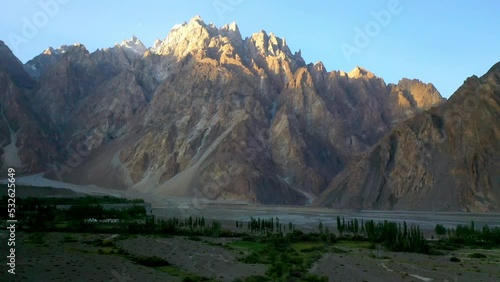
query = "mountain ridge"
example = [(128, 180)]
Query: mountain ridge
[(449, 159), (208, 113)]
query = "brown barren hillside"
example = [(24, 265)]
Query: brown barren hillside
[(445, 159)]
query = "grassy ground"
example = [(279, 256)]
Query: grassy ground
[(354, 244), (248, 246)]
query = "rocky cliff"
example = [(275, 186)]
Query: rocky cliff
[(25, 142), (444, 159), (206, 112)]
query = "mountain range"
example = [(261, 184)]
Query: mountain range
[(206, 112)]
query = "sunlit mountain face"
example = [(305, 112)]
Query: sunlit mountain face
[(208, 113)]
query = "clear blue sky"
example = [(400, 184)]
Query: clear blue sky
[(442, 42)]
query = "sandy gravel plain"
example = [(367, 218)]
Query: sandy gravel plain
[(71, 257)]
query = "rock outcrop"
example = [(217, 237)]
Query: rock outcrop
[(208, 113), (25, 142), (444, 159)]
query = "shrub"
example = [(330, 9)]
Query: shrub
[(476, 255), (440, 230), (256, 278), (153, 261), (454, 259), (69, 239)]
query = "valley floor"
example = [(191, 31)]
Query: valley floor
[(303, 216), (361, 264), (58, 256), (83, 257), (308, 217)]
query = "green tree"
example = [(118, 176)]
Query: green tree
[(440, 230), (340, 226)]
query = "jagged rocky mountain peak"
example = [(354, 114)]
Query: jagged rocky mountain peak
[(360, 72), (244, 118), (133, 45), (198, 19), (320, 67), (231, 27), (231, 31), (67, 48), (444, 158), (12, 67)]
